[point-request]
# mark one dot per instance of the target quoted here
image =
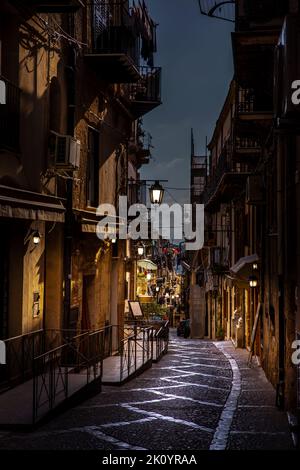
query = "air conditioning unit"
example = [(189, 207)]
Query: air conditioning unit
[(287, 69), (254, 190), (64, 151)]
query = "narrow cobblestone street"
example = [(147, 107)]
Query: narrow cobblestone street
[(201, 395)]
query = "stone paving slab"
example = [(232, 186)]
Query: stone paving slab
[(179, 404)]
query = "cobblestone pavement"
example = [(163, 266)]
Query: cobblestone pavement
[(201, 395)]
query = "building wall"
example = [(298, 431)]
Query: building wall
[(33, 282), (16, 249), (54, 277), (62, 92)]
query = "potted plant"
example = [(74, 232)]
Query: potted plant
[(220, 336)]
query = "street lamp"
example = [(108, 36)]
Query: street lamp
[(140, 250), (253, 282), (36, 237), (156, 193), (255, 266)]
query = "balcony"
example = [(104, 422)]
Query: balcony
[(219, 262), (9, 115), (247, 148), (253, 52), (198, 178), (199, 164), (261, 14), (227, 179), (254, 114), (252, 105), (55, 6), (115, 47), (145, 95), (143, 157)]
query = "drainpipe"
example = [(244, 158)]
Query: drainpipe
[(69, 217)]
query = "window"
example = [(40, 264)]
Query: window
[(93, 169)]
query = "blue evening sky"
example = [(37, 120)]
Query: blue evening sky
[(196, 56)]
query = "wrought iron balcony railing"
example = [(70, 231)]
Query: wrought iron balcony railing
[(145, 95), (9, 115), (197, 191), (250, 102), (219, 259), (115, 44), (247, 144), (226, 166), (199, 163)]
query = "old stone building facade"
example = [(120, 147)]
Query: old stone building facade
[(249, 267), (75, 79)]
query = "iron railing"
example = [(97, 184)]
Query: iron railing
[(56, 364), (135, 352), (161, 342), (9, 115), (247, 143), (20, 352), (113, 29), (63, 371), (197, 192), (219, 259), (148, 88), (224, 166), (250, 102), (199, 163)]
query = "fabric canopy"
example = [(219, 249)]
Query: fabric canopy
[(243, 269), (22, 204), (243, 263), (147, 265)]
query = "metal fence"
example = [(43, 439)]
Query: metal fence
[(60, 373), (161, 342), (135, 352), (54, 365), (20, 352)]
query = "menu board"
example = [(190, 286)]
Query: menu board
[(136, 310)]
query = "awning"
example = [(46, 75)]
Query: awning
[(243, 268), (243, 262), (89, 221), (21, 204), (147, 264)]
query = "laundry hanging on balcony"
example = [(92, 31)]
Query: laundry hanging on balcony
[(146, 28)]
